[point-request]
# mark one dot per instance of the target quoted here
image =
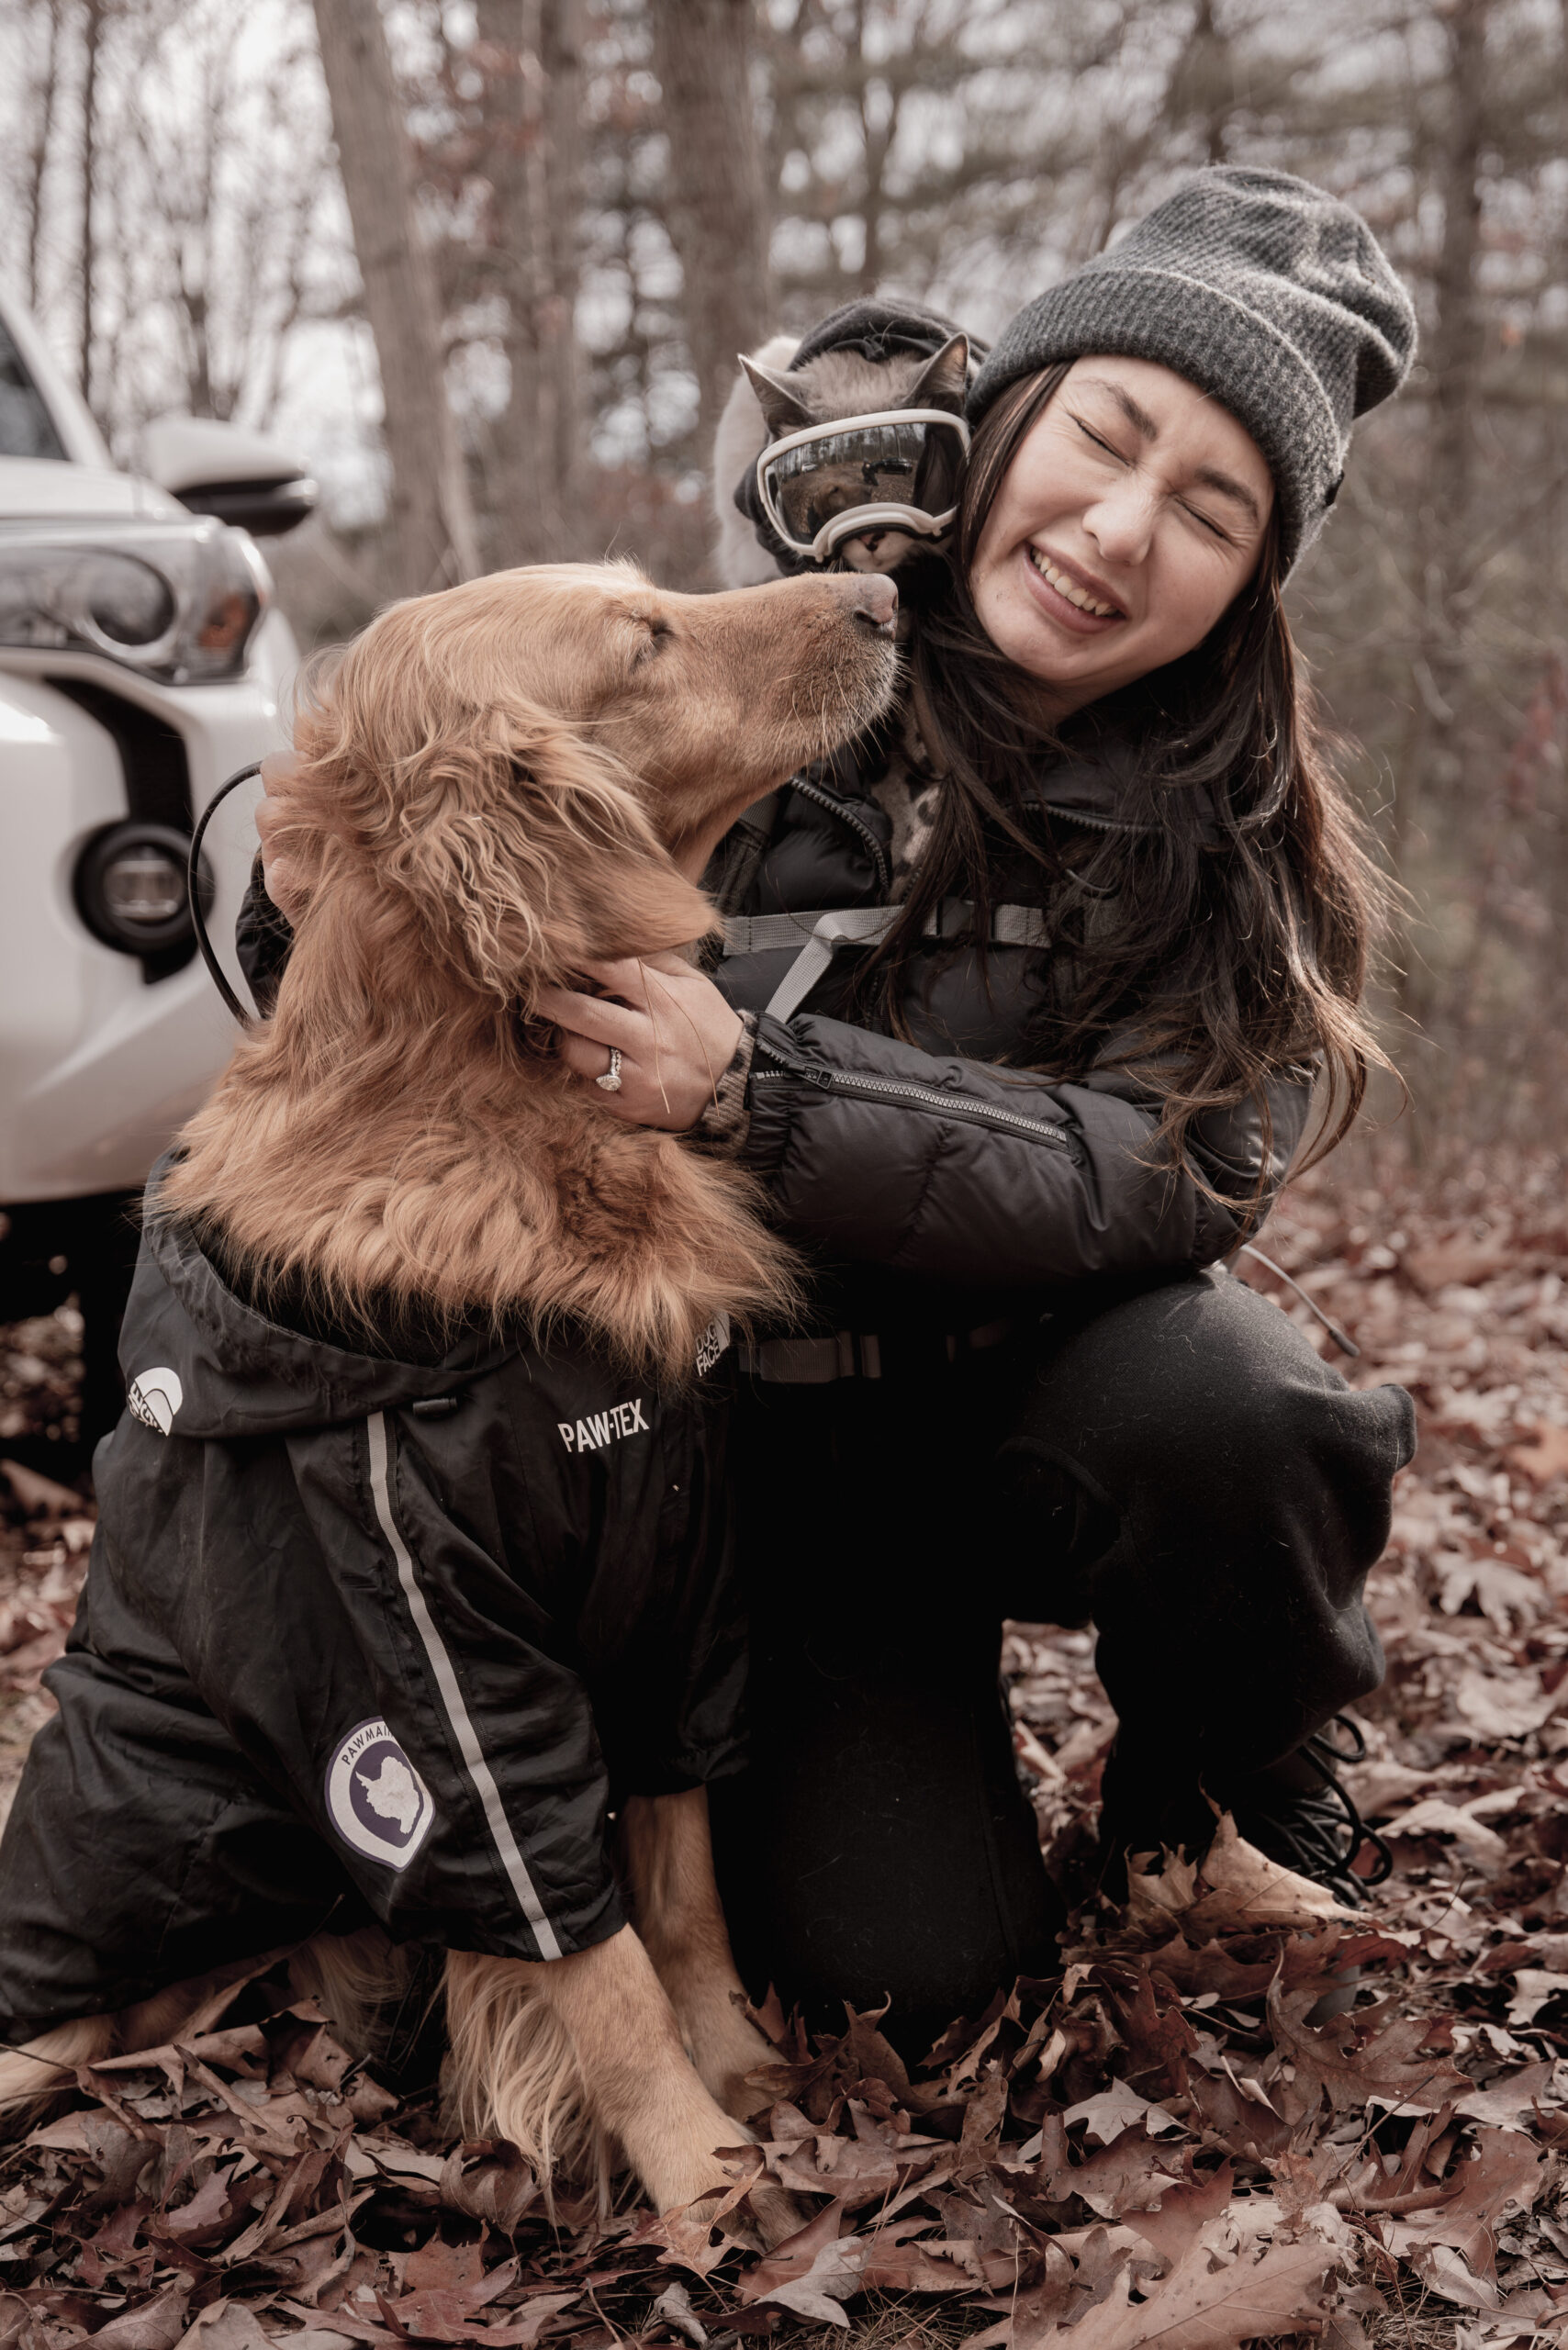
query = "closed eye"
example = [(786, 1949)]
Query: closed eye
[(1208, 522), (659, 634), (1100, 444)]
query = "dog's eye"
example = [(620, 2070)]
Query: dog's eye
[(658, 636)]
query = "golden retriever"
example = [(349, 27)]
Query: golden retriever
[(497, 787)]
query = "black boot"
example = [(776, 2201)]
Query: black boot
[(1295, 1811), (1300, 1815)]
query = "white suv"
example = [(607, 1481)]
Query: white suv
[(141, 661)]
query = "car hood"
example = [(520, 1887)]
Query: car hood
[(41, 488)]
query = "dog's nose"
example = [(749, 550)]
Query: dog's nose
[(875, 602)]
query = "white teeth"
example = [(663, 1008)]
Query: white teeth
[(1069, 588)]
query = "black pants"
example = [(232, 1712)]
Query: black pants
[(1179, 1467)]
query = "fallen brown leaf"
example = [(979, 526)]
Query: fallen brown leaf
[(1545, 1456), (1354, 2062), (1204, 2307)]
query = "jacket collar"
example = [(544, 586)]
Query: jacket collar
[(1094, 781)]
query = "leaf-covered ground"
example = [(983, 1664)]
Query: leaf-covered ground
[(1226, 2119)]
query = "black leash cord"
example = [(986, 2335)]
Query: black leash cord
[(193, 893)]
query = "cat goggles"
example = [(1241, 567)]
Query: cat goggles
[(898, 470)]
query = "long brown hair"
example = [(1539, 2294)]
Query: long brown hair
[(1224, 935)]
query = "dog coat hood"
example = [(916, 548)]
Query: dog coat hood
[(363, 1640), (199, 1362)]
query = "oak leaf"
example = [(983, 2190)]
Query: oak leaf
[(1173, 2225), (1361, 2058), (1545, 1456), (1201, 2307), (1116, 2109), (1505, 2175)]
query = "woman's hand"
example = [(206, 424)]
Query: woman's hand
[(287, 885), (674, 1030)]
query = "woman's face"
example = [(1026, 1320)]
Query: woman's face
[(1133, 513)]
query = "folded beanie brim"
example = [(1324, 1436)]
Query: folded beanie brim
[(1179, 323), (1268, 294)]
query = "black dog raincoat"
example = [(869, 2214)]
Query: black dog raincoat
[(363, 1640)]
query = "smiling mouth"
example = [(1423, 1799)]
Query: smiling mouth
[(1067, 587)]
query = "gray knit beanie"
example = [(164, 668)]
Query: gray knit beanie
[(1270, 295)]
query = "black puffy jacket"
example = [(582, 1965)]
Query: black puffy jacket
[(932, 1186), (363, 1638), (931, 1182)]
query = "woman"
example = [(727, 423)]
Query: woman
[(1074, 1111), (1021, 1117)]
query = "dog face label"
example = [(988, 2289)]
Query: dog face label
[(712, 1344), (603, 1427), (155, 1396), (375, 1798)]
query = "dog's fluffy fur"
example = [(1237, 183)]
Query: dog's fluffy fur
[(483, 788), (498, 785)]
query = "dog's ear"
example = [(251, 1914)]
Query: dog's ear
[(526, 855)]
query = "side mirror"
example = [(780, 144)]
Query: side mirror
[(242, 477)]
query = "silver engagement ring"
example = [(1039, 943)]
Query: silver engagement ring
[(611, 1080)]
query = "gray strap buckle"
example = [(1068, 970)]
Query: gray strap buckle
[(823, 933), (852, 925)]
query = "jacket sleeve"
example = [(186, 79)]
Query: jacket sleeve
[(879, 1153), (263, 938)]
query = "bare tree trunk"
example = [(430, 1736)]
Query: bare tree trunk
[(92, 36), (432, 520), (560, 47), (717, 214), (1454, 358), (528, 50), (45, 92), (875, 146), (1432, 771), (517, 481)]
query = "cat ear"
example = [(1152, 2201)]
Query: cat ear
[(777, 399), (944, 380)]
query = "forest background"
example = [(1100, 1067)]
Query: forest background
[(487, 266)]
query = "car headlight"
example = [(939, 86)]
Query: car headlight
[(177, 601), (131, 888)]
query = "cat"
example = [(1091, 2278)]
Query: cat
[(770, 398)]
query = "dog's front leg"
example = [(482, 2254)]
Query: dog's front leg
[(37, 2071), (539, 2049), (670, 1858)]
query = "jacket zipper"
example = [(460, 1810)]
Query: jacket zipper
[(852, 824), (924, 1097), (1095, 823)]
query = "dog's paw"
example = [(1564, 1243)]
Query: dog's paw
[(766, 2215), (776, 2212), (726, 2047), (698, 2191)]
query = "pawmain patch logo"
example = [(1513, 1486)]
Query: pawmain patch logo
[(155, 1396), (375, 1798)]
